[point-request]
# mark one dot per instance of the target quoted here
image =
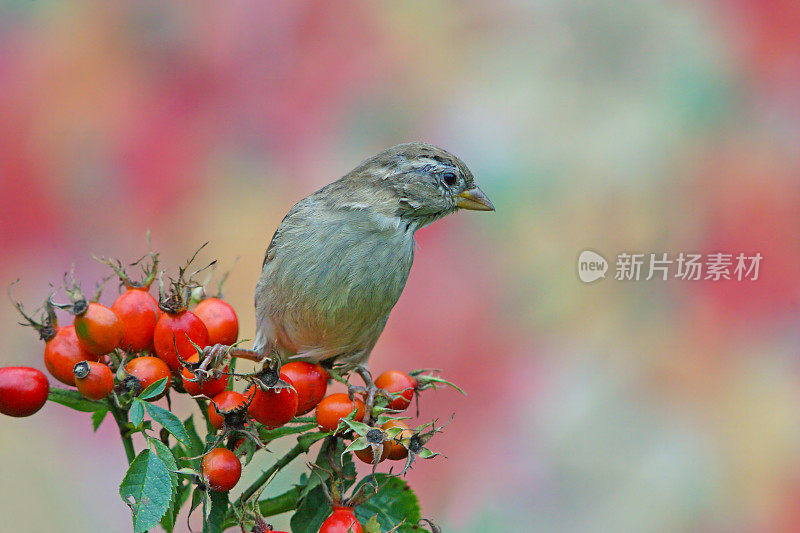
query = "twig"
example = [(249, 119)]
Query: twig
[(121, 417)]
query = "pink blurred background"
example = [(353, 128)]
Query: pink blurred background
[(616, 126)]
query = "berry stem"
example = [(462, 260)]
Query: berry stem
[(121, 417), (282, 503), (203, 405), (291, 455)]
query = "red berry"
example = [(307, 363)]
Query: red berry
[(397, 382), (23, 390), (99, 329), (273, 407), (139, 313), (63, 352), (220, 319), (366, 455), (342, 520), (335, 407), (309, 380), (221, 469), (94, 380), (179, 330), (148, 370), (210, 387), (224, 401), (396, 450)]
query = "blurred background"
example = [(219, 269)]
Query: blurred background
[(651, 126)]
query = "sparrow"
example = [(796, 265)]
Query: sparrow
[(339, 260)]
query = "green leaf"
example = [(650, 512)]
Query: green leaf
[(314, 507), (267, 435), (74, 400), (312, 512), (154, 389), (147, 489), (219, 508), (171, 422), (307, 439), (136, 413), (197, 498), (279, 504), (195, 445), (371, 525), (98, 417), (183, 492), (165, 455), (393, 503), (247, 450)]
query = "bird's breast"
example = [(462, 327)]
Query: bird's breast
[(333, 281)]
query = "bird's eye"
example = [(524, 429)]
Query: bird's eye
[(449, 178)]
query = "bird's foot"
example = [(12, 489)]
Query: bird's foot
[(216, 354)]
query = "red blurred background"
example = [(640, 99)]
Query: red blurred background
[(653, 127)]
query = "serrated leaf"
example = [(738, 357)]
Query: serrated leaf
[(136, 412), (393, 503), (169, 421), (74, 400), (219, 509), (154, 389), (98, 417), (195, 445), (165, 454), (168, 521), (148, 484)]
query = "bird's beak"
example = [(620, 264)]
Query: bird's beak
[(475, 200)]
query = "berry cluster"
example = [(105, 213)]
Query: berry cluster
[(124, 357)]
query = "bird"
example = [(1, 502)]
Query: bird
[(339, 260)]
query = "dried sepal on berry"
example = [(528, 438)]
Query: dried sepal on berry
[(426, 379), (149, 270), (177, 296), (46, 325), (248, 514), (375, 439), (415, 444), (269, 377), (234, 421)]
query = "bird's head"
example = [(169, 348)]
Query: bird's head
[(422, 182)]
